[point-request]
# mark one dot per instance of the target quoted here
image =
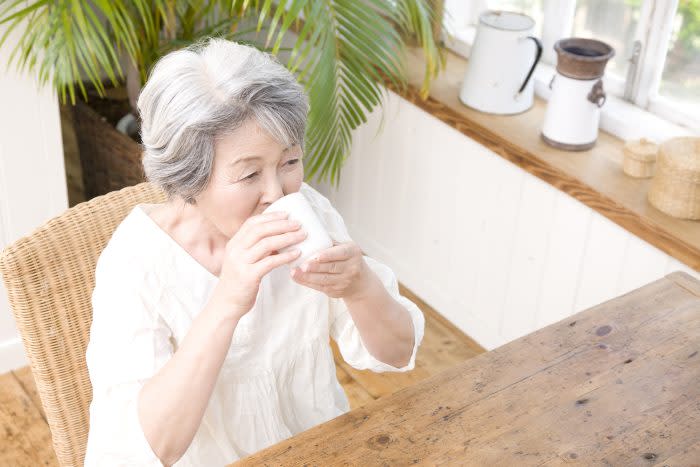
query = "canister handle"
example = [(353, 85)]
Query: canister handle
[(597, 94), (538, 55)]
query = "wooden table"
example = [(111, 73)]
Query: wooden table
[(617, 384)]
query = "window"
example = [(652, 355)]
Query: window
[(680, 80), (613, 22), (656, 67)]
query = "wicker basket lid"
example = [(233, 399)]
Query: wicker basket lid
[(682, 156), (641, 149)]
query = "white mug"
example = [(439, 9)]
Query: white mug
[(299, 209)]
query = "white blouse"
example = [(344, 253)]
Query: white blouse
[(278, 378)]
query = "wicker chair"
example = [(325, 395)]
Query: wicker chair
[(49, 276)]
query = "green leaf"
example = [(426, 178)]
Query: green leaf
[(343, 54)]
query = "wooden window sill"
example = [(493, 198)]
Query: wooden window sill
[(593, 177)]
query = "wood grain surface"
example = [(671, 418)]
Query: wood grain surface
[(25, 439), (616, 384)]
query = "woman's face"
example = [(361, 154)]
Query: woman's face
[(251, 171)]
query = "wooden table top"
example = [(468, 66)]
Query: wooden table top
[(617, 384)]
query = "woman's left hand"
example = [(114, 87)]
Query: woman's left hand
[(339, 271)]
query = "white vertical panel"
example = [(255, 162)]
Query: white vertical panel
[(532, 235), (346, 200), (425, 195), (32, 175), (52, 150), (442, 247), (367, 178), (473, 201), (417, 200), (384, 160), (642, 264), (496, 248), (34, 181), (567, 242), (434, 185), (396, 180), (5, 234), (388, 208), (602, 263)]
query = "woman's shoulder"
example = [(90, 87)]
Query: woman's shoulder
[(132, 251)]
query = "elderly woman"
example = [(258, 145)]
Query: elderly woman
[(205, 345)]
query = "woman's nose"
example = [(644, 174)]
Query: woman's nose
[(274, 190)]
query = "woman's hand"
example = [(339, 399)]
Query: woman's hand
[(252, 252), (339, 271)]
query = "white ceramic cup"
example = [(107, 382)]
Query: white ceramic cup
[(300, 210)]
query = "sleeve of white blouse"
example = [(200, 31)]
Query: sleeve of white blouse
[(346, 334), (129, 343), (342, 327)]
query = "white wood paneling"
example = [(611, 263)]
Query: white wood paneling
[(532, 236), (495, 246), (32, 175), (567, 241), (602, 262), (497, 251), (641, 264)]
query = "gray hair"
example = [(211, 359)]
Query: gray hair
[(210, 88)]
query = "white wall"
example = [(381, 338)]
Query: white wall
[(494, 249), (32, 175)]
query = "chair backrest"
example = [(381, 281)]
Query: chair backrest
[(49, 276)]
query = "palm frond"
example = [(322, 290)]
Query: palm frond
[(62, 39), (417, 17), (344, 53)]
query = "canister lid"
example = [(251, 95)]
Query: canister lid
[(507, 20), (641, 150), (582, 58)]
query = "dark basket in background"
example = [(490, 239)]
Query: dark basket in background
[(109, 160)]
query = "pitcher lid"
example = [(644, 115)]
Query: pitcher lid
[(506, 20)]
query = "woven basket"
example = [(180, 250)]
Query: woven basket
[(675, 188), (640, 158), (49, 276), (109, 159)]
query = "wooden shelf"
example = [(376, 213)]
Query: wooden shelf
[(593, 177)]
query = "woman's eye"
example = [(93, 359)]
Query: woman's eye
[(255, 174)]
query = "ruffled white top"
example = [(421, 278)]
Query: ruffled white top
[(278, 378)]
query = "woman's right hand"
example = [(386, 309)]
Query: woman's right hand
[(252, 252)]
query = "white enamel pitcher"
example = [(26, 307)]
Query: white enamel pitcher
[(503, 57)]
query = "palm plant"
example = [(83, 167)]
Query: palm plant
[(344, 51)]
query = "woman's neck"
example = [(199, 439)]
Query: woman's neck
[(192, 229)]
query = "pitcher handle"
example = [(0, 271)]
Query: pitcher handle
[(538, 55)]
